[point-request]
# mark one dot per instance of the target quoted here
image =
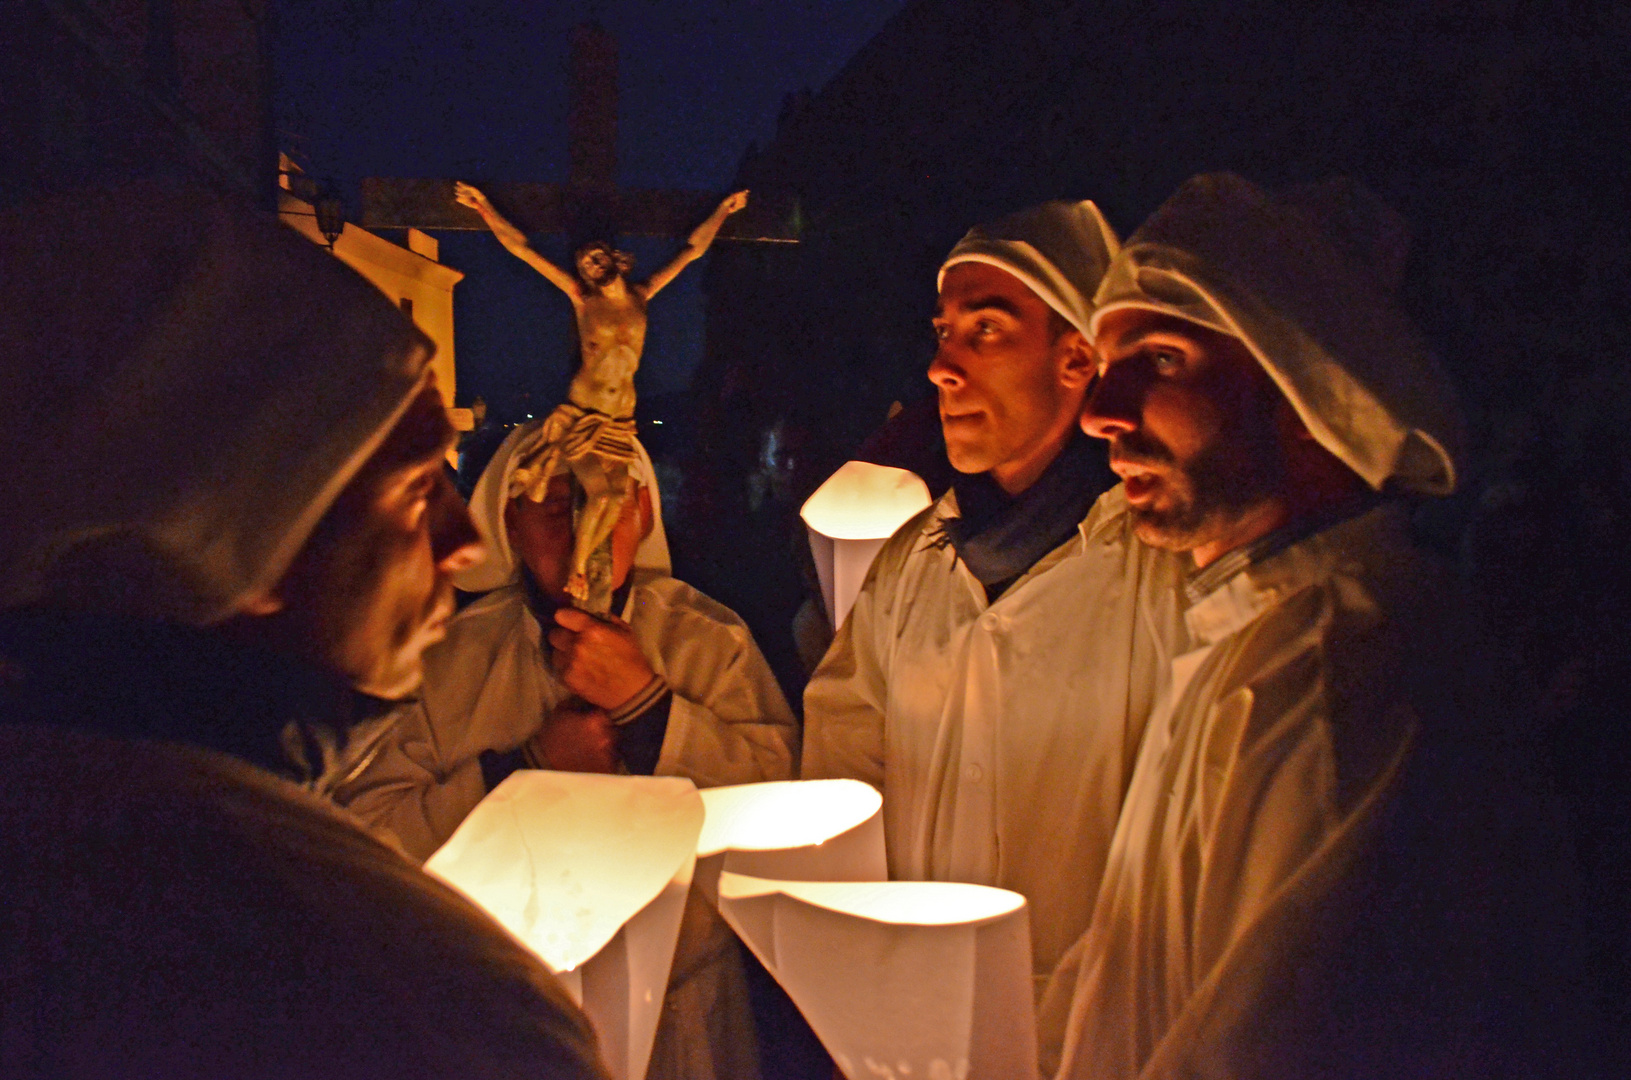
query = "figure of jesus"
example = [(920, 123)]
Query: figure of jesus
[(592, 433)]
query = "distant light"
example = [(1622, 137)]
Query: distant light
[(656, 421)]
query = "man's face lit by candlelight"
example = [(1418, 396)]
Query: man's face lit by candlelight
[(372, 588), (1195, 427), (1010, 371)]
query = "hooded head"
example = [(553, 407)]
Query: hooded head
[(497, 487), (1012, 319), (1059, 250), (1305, 280), (189, 391)]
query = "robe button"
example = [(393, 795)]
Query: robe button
[(991, 621), (975, 774)]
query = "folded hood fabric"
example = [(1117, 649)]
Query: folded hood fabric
[(187, 386), (1306, 280), (1058, 249)]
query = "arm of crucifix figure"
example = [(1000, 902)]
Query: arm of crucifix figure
[(697, 244), (513, 239)]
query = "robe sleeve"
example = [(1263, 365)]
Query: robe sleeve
[(405, 794), (728, 722)]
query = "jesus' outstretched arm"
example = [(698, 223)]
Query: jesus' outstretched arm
[(515, 240), (702, 236)]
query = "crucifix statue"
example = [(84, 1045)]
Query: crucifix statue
[(592, 432), (591, 435)]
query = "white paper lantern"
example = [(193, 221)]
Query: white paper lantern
[(849, 517), (800, 830), (909, 980), (590, 872)]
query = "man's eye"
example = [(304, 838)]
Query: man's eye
[(985, 328), (1167, 363), (941, 331)]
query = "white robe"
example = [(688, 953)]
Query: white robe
[(489, 685), (1329, 861), (1002, 735)]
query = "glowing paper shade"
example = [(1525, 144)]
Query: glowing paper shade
[(591, 873), (904, 979), (801, 830), (849, 517)]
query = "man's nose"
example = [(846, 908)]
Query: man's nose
[(944, 372), (455, 542), (1113, 406)]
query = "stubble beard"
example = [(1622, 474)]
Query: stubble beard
[(1232, 477)]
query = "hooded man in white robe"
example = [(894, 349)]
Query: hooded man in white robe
[(672, 685), (1333, 861), (229, 541), (993, 677)]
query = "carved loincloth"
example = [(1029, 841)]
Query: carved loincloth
[(571, 436), (599, 451)]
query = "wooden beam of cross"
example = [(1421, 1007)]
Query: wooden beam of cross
[(589, 205)]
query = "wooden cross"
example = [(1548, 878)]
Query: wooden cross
[(589, 205)]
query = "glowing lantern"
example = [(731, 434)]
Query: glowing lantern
[(849, 517), (924, 979), (590, 872), (801, 830)]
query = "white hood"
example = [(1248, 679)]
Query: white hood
[(1058, 249), (1305, 280), (492, 494), (185, 389)]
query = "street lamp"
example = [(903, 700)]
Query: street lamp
[(330, 218)]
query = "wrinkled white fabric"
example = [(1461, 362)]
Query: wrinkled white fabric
[(186, 388), (1304, 280), (489, 685), (500, 566), (1002, 735), (1058, 249), (1331, 862)]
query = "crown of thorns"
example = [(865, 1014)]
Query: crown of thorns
[(621, 259)]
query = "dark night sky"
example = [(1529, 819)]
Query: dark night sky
[(477, 89)]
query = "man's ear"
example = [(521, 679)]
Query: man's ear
[(1077, 360)]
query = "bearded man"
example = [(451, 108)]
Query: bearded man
[(1333, 860), (993, 677), (238, 542)]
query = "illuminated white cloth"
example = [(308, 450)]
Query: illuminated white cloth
[(900, 979), (849, 517), (1327, 864), (1058, 249), (1306, 282), (1001, 735), (535, 855), (185, 391)]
